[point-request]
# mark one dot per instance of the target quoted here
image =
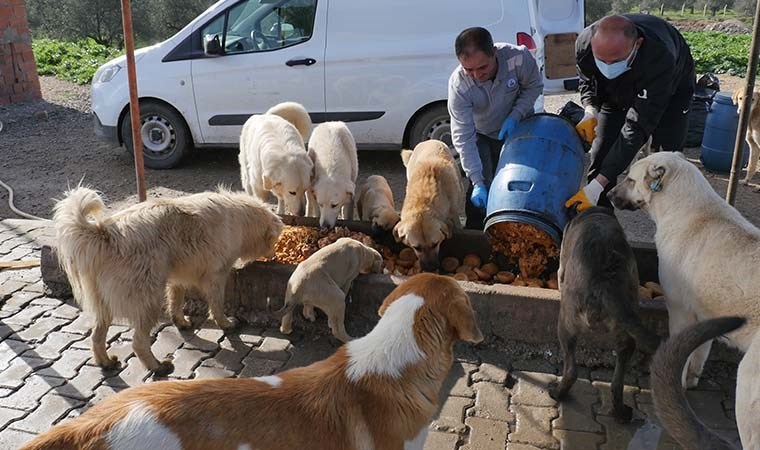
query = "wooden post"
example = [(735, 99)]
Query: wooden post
[(134, 105), (725, 7), (704, 11), (683, 8), (736, 164), (662, 9)]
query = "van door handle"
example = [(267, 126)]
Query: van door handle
[(300, 62)]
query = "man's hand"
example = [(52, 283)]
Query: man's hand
[(479, 196), (507, 128), (586, 197), (586, 128)]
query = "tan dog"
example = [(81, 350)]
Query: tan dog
[(377, 392), (273, 157), (119, 265), (336, 166), (434, 201), (708, 265), (375, 204), (323, 281), (753, 131)]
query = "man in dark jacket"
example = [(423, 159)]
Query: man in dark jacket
[(637, 80)]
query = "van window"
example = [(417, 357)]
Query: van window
[(261, 25)]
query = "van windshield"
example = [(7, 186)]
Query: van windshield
[(257, 25)]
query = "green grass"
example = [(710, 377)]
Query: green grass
[(718, 52), (72, 61)]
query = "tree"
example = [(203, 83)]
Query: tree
[(596, 9)]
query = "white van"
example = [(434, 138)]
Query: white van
[(381, 66)]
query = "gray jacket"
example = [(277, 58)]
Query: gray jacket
[(477, 107)]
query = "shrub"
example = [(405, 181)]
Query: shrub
[(72, 61), (718, 52)]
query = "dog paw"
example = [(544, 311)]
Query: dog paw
[(110, 364), (309, 314), (229, 325), (623, 414), (183, 323), (286, 330), (163, 369), (744, 182)]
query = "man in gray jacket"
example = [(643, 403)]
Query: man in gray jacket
[(492, 89)]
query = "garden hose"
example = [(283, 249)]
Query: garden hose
[(13, 207)]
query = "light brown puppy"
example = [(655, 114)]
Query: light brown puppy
[(753, 131), (377, 392), (119, 265), (434, 201), (375, 203), (323, 281)]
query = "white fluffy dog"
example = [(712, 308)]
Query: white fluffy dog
[(273, 156), (709, 257), (333, 150), (119, 265)]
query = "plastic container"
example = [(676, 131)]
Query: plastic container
[(540, 167), (720, 135)]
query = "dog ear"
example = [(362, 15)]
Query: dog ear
[(655, 174), (735, 96), (268, 185), (461, 316), (446, 230), (406, 155)]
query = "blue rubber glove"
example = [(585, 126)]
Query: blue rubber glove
[(479, 196), (507, 128)]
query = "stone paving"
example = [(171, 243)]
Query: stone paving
[(489, 401)]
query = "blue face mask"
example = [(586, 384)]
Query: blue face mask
[(614, 70)]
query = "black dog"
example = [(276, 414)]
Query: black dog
[(599, 281)]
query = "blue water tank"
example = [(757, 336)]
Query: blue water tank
[(720, 135), (540, 167)]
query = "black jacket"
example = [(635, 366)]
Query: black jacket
[(662, 66)]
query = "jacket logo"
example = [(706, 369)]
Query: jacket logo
[(642, 94), (511, 83)]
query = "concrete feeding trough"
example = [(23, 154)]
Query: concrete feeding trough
[(505, 312)]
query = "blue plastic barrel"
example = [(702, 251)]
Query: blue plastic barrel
[(720, 135), (540, 167)]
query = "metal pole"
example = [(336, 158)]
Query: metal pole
[(736, 164), (134, 106)]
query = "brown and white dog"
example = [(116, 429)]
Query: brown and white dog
[(434, 201), (374, 203), (119, 265), (377, 392), (753, 130)]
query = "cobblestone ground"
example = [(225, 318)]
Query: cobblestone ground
[(488, 402)]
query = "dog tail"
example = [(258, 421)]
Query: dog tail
[(406, 155), (76, 234), (296, 114), (669, 399)]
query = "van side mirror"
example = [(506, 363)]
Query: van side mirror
[(212, 45)]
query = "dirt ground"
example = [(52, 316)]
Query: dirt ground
[(41, 156)]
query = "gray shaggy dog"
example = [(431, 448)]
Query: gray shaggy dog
[(123, 265), (599, 282)]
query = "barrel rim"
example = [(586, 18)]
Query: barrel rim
[(519, 215)]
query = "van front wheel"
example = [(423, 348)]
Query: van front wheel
[(166, 139), (434, 123)]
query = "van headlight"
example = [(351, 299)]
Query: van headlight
[(107, 73)]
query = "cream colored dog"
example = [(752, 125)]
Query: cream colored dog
[(709, 257), (119, 265), (273, 157), (375, 204), (377, 392), (333, 150), (753, 131), (434, 201), (324, 279)]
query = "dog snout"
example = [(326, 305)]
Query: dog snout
[(429, 260), (617, 196)]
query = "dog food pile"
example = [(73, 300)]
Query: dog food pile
[(531, 249), (471, 268), (298, 243)]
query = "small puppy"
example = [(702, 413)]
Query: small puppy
[(375, 203), (273, 157), (753, 131), (119, 265), (599, 281), (671, 404), (434, 201), (333, 151), (324, 279), (377, 392)]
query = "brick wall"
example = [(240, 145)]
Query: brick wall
[(18, 72)]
